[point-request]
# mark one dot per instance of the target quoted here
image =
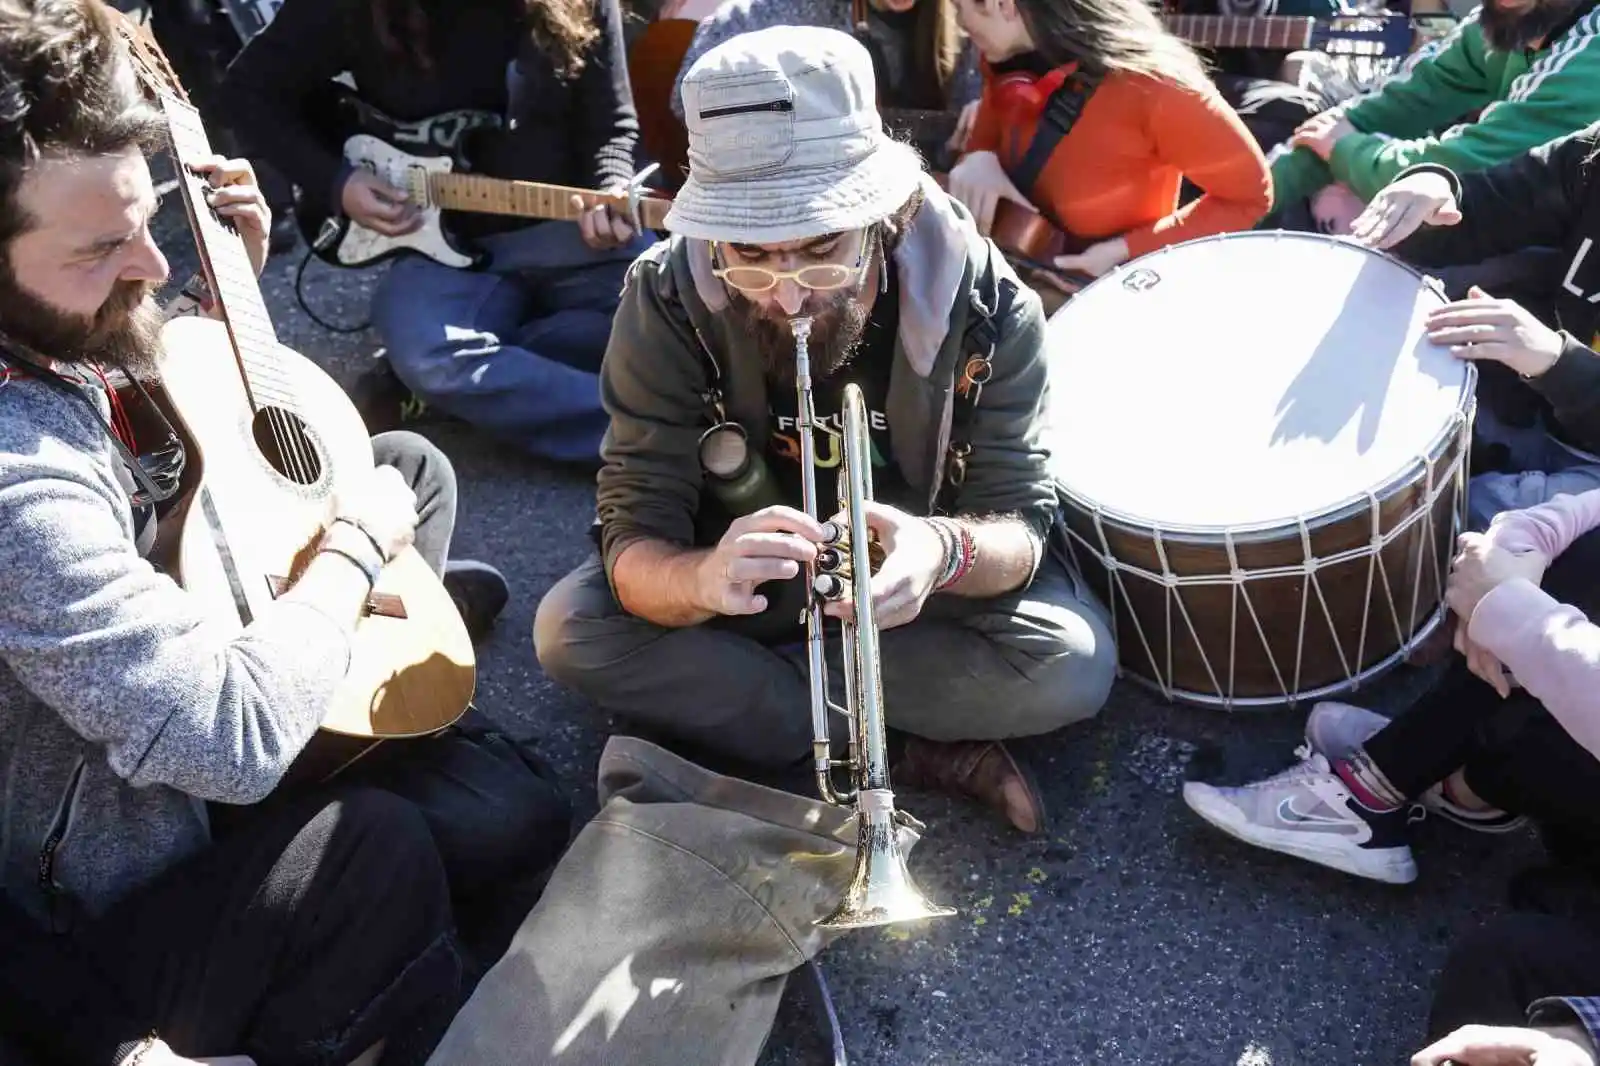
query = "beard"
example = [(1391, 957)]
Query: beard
[(124, 334), (1516, 31), (836, 329)]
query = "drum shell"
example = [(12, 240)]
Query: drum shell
[(1267, 639)]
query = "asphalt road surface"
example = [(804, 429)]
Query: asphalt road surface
[(1130, 935)]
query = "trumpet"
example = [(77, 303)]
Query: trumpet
[(881, 890)]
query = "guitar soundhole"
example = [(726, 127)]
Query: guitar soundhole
[(288, 448)]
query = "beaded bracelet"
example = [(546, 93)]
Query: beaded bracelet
[(961, 551)]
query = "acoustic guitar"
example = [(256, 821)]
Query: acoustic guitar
[(270, 438)]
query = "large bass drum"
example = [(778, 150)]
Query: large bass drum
[(1262, 461)]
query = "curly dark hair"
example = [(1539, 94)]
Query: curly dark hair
[(67, 88), (564, 30)]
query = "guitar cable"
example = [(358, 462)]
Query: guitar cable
[(300, 298)]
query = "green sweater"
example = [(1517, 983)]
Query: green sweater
[(1527, 99)]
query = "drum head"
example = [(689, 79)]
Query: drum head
[(1246, 381)]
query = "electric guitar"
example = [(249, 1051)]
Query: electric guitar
[(422, 159), (269, 439)]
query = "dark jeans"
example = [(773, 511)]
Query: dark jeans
[(513, 349), (321, 930), (1494, 975), (1021, 664), (494, 807), (1513, 753)]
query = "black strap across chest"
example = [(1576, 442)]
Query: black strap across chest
[(1061, 113)]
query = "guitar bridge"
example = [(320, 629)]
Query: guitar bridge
[(379, 604)]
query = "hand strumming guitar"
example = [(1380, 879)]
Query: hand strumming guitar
[(370, 201), (980, 182)]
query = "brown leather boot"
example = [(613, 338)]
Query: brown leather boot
[(981, 769)]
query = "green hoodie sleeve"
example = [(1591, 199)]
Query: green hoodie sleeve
[(1557, 95), (1448, 78), (1443, 81)]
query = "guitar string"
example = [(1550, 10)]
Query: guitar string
[(293, 448)]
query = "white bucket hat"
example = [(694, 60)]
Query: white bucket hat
[(785, 141)]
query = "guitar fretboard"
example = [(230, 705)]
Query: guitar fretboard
[(529, 199), (1276, 33), (228, 267)]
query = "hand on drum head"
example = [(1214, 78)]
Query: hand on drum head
[(914, 557), (1402, 208), (1482, 327), (768, 545)]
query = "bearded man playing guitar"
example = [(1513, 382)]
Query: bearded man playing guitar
[(513, 348), (138, 733)]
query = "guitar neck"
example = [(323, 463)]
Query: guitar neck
[(530, 199), (227, 266), (1277, 33)]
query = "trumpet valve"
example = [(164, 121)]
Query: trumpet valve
[(828, 586), (833, 533), (830, 560)]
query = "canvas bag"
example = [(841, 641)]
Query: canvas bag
[(668, 931)]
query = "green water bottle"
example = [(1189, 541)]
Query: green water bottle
[(735, 472)]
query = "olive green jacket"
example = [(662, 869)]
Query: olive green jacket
[(670, 332)]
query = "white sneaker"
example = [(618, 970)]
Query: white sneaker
[(1307, 812), (1336, 729)]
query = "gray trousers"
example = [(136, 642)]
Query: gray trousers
[(1018, 665)]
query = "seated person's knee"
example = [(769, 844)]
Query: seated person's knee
[(576, 611), (1072, 664), (389, 844)]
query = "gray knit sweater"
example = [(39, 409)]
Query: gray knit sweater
[(122, 708), (745, 16)]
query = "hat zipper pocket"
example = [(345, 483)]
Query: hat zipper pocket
[(747, 109)]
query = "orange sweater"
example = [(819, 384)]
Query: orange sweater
[(1118, 173)]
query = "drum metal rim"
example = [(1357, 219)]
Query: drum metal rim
[(1326, 239), (1259, 532)]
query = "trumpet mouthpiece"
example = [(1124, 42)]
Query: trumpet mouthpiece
[(801, 325)]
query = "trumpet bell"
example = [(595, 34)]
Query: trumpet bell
[(881, 891)]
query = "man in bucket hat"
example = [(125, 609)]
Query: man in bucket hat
[(686, 621)]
